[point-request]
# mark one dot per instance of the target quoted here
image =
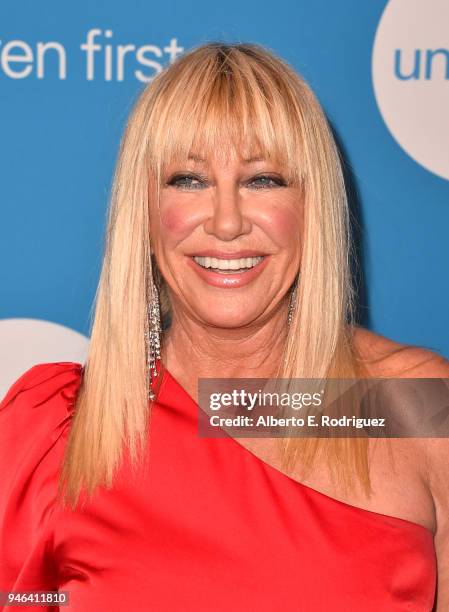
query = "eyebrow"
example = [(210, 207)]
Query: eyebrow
[(247, 160)]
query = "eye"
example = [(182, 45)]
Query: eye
[(264, 181), (186, 181)]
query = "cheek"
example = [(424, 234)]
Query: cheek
[(176, 222), (284, 225)]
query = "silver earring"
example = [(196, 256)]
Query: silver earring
[(292, 304), (153, 337)]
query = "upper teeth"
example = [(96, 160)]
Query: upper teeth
[(227, 264)]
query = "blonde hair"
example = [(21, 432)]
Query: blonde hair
[(217, 97)]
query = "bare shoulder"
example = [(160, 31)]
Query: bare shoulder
[(389, 358), (386, 357)]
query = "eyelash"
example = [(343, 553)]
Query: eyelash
[(278, 181)]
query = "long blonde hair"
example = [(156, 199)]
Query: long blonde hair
[(218, 96)]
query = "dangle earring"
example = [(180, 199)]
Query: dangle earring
[(153, 336), (292, 304)]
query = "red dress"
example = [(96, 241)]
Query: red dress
[(209, 527)]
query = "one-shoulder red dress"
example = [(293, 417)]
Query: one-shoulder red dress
[(208, 527)]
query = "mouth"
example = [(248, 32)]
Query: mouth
[(228, 266), (228, 270)]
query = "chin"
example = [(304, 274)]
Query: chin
[(225, 320)]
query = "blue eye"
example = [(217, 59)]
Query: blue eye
[(263, 181), (189, 182), (186, 181)]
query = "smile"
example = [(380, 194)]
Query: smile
[(228, 272), (228, 266)]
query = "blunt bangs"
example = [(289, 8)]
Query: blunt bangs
[(223, 105)]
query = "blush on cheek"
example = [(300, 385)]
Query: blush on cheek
[(175, 223), (285, 226)]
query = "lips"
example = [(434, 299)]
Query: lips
[(227, 265), (229, 280), (228, 254)]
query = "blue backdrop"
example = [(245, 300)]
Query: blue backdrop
[(61, 121)]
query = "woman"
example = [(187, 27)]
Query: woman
[(227, 255)]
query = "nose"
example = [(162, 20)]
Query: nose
[(227, 220)]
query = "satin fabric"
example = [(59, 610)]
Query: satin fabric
[(204, 525)]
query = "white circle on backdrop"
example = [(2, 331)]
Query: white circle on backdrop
[(27, 342), (410, 69)]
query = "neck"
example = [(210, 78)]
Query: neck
[(191, 349)]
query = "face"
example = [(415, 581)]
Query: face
[(227, 238)]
